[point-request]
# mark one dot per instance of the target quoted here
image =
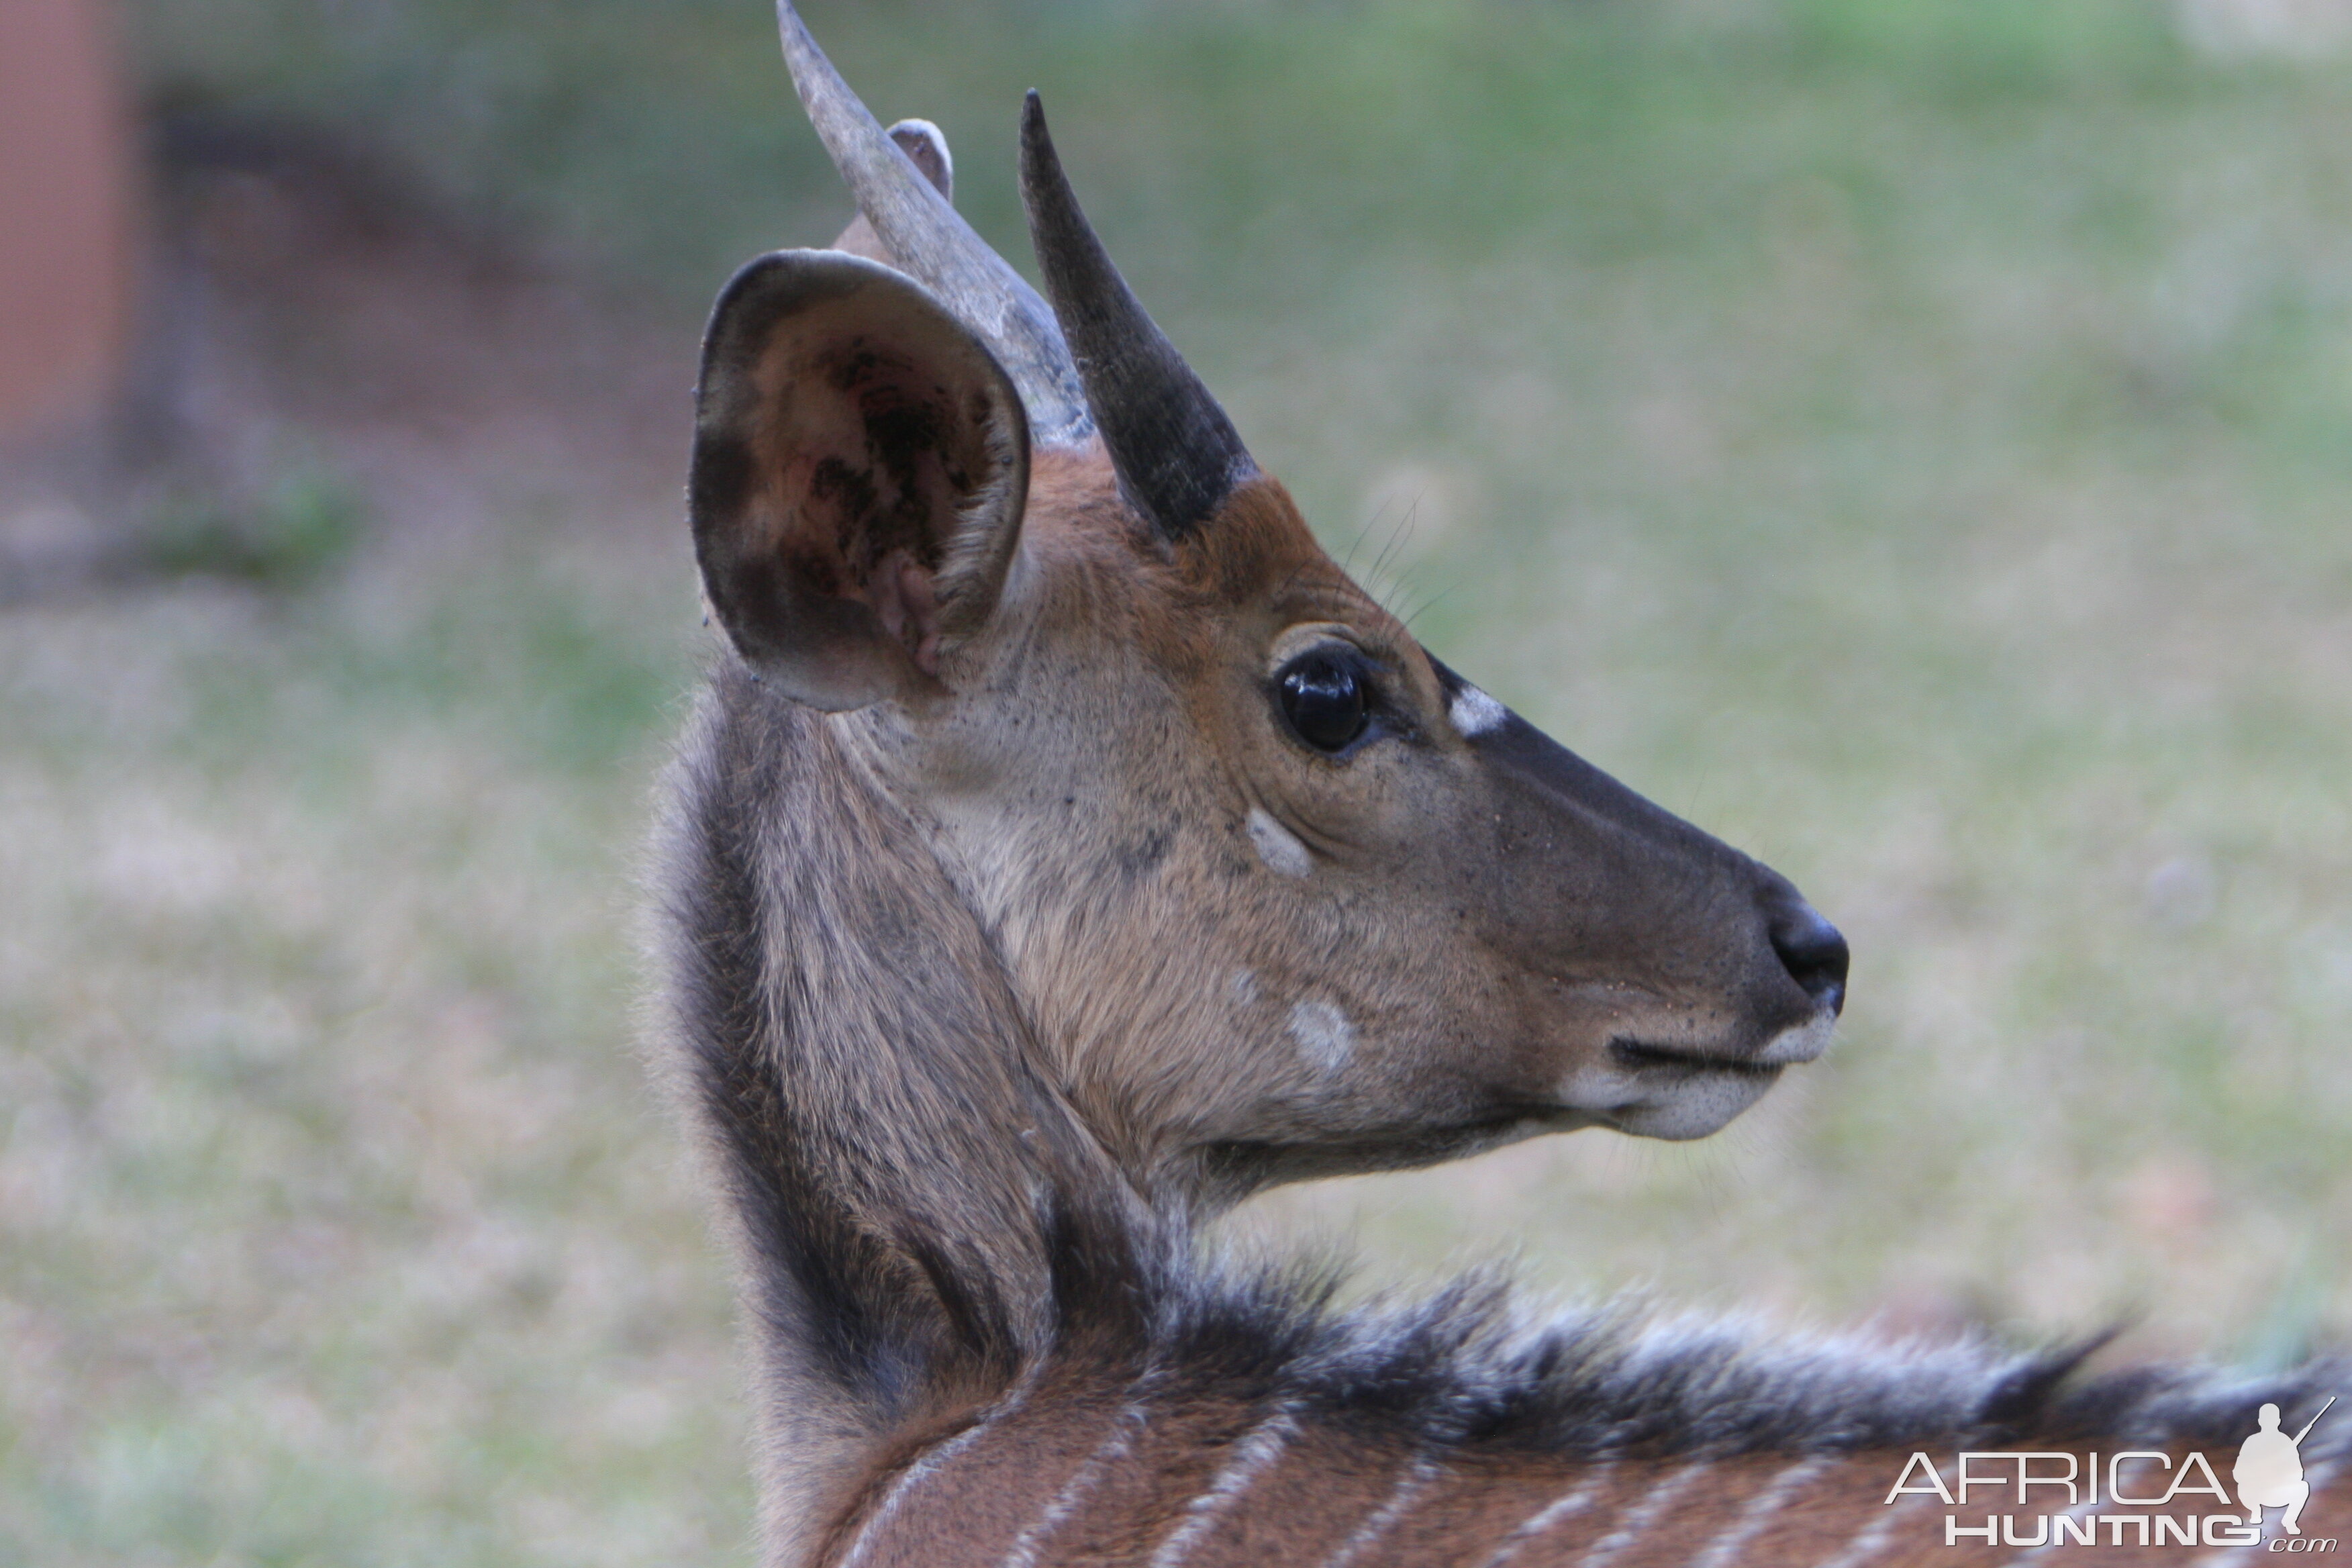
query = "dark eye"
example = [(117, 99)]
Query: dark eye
[(1323, 698)]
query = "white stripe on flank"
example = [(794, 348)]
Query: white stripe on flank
[(1252, 1458), (1419, 1476), (1645, 1513), (1725, 1549), (1083, 1481), (1872, 1537), (1551, 1514), (940, 1454)]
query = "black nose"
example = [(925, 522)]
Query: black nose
[(1813, 952)]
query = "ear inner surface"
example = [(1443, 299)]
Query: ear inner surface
[(909, 211), (927, 148), (860, 464)]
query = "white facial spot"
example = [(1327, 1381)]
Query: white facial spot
[(1325, 1037), (1474, 712), (1276, 846)]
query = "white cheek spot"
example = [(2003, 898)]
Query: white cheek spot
[(1474, 712), (1325, 1037), (1276, 846)]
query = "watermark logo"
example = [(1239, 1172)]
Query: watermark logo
[(2128, 1499), (2269, 1471)]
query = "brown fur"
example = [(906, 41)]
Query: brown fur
[(940, 967), (1012, 920), (1331, 1496), (1334, 1492)]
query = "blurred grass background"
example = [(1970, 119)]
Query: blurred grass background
[(1911, 438)]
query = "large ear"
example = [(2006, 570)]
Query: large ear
[(860, 465)]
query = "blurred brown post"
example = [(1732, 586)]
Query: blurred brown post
[(69, 193)]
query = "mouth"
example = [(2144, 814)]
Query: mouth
[(1652, 1061), (1790, 1047), (1651, 1088)]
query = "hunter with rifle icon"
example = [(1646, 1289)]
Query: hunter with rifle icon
[(2269, 1471)]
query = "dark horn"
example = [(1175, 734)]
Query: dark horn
[(1177, 455), (936, 246)]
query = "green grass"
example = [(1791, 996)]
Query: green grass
[(1913, 439), (339, 1227)]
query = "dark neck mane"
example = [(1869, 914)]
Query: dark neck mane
[(843, 1035)]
